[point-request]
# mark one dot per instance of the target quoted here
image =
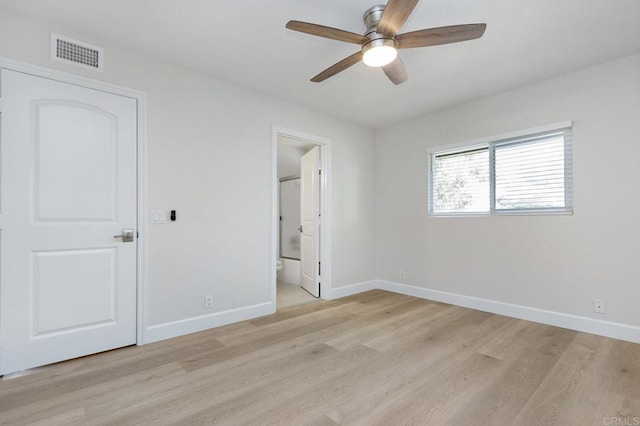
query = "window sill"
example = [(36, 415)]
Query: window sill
[(506, 213)]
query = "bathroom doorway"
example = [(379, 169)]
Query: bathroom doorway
[(300, 218)]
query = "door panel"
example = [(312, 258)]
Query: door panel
[(62, 191), (68, 287), (309, 211), (88, 275)]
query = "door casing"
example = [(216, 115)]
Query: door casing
[(141, 98), (325, 207)]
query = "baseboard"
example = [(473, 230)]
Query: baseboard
[(614, 330), (348, 290), (172, 329), (573, 322)]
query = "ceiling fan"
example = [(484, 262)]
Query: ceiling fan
[(381, 41)]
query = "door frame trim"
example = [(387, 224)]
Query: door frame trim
[(325, 207), (142, 122)]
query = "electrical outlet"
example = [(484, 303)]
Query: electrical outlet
[(403, 276), (208, 302), (598, 306)]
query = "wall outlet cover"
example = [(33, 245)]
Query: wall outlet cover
[(208, 302)]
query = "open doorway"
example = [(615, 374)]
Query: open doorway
[(300, 218)]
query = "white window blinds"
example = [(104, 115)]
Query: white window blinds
[(523, 174), (533, 173)]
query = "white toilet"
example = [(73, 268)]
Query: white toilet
[(278, 264)]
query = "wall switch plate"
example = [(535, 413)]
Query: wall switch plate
[(208, 302), (599, 306), (158, 216)]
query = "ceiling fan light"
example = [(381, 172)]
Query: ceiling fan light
[(379, 52)]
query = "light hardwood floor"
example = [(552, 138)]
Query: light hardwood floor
[(376, 358)]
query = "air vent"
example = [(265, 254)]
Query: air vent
[(74, 52)]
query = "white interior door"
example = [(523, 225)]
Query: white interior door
[(309, 215), (68, 287)]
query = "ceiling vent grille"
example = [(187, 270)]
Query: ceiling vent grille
[(74, 52)]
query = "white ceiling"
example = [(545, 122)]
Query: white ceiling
[(244, 41)]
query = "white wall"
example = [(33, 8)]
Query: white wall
[(289, 154), (209, 158), (556, 263)]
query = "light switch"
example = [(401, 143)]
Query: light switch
[(158, 216)]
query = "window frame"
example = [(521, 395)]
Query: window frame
[(490, 143)]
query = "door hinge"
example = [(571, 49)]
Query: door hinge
[(320, 171), (137, 234), (319, 269)]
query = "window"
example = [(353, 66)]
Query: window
[(461, 181), (525, 173)]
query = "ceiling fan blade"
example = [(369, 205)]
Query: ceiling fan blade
[(440, 35), (396, 71), (336, 68), (395, 15), (326, 32)]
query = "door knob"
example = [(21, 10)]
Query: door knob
[(127, 235)]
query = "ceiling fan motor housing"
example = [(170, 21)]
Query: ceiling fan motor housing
[(371, 19)]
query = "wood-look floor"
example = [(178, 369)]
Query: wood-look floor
[(376, 358)]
